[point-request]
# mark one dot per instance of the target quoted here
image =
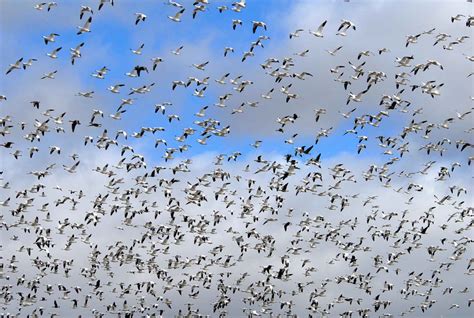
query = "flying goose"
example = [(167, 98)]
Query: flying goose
[(222, 79), (198, 8), (156, 61), (319, 32), (85, 9), (139, 50), (177, 16), (16, 66), (50, 38), (115, 88), (235, 23), (344, 26), (296, 33), (177, 51), (239, 5), (29, 63), (139, 17), (174, 4), (54, 53), (51, 5), (357, 97), (201, 66), (40, 6), (227, 50), (257, 24), (86, 27), (102, 2), (49, 75), (333, 52), (76, 53)]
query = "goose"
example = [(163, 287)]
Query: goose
[(336, 69), (457, 17), (201, 112), (239, 5), (470, 20), (198, 8), (228, 49), (178, 83), (86, 27), (101, 73), (72, 169), (469, 58), (74, 124), (268, 95), (117, 115), (139, 17), (53, 149), (404, 61), (199, 93), (76, 53), (29, 63), (177, 16), (356, 97), (115, 88), (174, 4), (16, 66), (89, 94), (319, 32), (296, 33), (257, 24), (222, 79), (235, 23), (345, 25), (302, 75), (51, 5), (450, 46), (139, 50), (319, 112), (156, 61), (412, 39), (462, 38), (303, 54), (364, 53), (222, 8), (441, 37), (177, 51), (238, 110), (85, 9), (247, 54), (201, 66), (40, 6), (49, 75), (50, 38), (59, 119), (463, 115), (54, 53), (102, 2), (140, 68), (333, 52)]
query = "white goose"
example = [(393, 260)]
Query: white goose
[(86, 27), (177, 16), (14, 66), (319, 32), (50, 38)]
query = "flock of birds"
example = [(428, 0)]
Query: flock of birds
[(157, 235)]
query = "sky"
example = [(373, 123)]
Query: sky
[(381, 173)]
